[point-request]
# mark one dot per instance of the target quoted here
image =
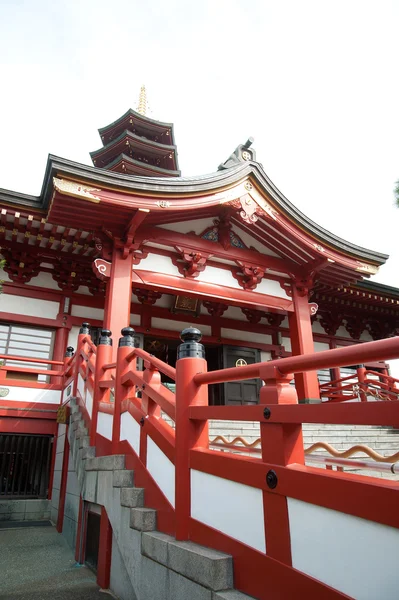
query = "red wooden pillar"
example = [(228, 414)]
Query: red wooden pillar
[(361, 375), (119, 292), (60, 343), (103, 357), (153, 377), (282, 444), (104, 551), (84, 332), (306, 384), (124, 362), (189, 434)]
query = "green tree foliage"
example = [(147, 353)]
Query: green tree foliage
[(396, 192), (2, 263)]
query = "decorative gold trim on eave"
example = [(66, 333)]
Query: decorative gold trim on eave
[(76, 190), (367, 268)]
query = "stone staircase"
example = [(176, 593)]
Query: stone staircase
[(152, 565)]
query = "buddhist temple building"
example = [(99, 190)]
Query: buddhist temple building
[(129, 241)]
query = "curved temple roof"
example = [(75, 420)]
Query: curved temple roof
[(278, 222)]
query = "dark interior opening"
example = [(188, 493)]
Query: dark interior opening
[(92, 540)]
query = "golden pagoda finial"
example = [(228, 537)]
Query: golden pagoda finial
[(142, 104)]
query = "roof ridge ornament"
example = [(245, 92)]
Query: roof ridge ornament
[(241, 154)]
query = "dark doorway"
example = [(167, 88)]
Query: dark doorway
[(25, 465), (92, 540), (240, 392)]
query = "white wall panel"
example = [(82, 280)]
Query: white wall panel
[(355, 556), (287, 344), (44, 280), (169, 325), (89, 402), (246, 336), (162, 470), (86, 312), (158, 264), (81, 387), (130, 431), (218, 277), (32, 307), (232, 508), (27, 394), (135, 320), (198, 226), (320, 346), (73, 337), (104, 425), (271, 288)]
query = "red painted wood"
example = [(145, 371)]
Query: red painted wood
[(102, 357), (63, 485), (124, 362), (25, 425), (60, 344), (189, 435), (103, 446), (104, 551), (306, 384), (119, 291), (260, 575), (80, 534), (344, 492), (367, 413)]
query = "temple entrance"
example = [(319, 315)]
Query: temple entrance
[(218, 357)]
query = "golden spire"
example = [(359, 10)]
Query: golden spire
[(142, 104)]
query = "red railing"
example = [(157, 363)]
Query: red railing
[(364, 384), (279, 476)]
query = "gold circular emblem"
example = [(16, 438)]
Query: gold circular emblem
[(248, 186), (241, 362), (246, 155)]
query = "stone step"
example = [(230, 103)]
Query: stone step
[(231, 595), (84, 442), (89, 452), (132, 497), (143, 519), (123, 478), (209, 568), (106, 463), (76, 416)]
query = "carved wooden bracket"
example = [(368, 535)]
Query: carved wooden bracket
[(190, 263), (215, 309), (380, 328), (304, 285), (148, 297), (287, 287), (101, 268), (331, 322), (248, 209), (248, 276), (253, 315), (313, 308), (274, 319), (355, 326), (20, 266)]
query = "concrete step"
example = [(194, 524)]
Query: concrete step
[(123, 478), (84, 442), (209, 568), (143, 519), (76, 416), (106, 463), (230, 595), (132, 497)]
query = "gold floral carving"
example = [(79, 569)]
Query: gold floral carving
[(77, 190)]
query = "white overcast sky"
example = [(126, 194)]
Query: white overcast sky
[(316, 83)]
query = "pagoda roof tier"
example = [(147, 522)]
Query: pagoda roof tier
[(80, 196), (125, 164), (142, 125), (162, 155)]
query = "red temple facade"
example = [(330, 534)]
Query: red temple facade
[(130, 242)]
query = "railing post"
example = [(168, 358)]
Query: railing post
[(121, 392), (189, 434), (103, 357), (361, 375), (83, 332), (282, 444)]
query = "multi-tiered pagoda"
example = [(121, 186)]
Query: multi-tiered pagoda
[(137, 145)]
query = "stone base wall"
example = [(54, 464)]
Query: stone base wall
[(24, 510)]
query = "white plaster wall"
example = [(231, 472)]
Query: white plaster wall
[(366, 337), (246, 336), (342, 332), (218, 277), (32, 307), (233, 312), (317, 328), (158, 264), (81, 387), (86, 312), (232, 508), (320, 346), (130, 431), (198, 226), (104, 425), (271, 287), (162, 470), (44, 280), (89, 402), (287, 344), (73, 337), (355, 556), (135, 320), (250, 241), (265, 356), (169, 325), (28, 394), (4, 276), (394, 367)]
